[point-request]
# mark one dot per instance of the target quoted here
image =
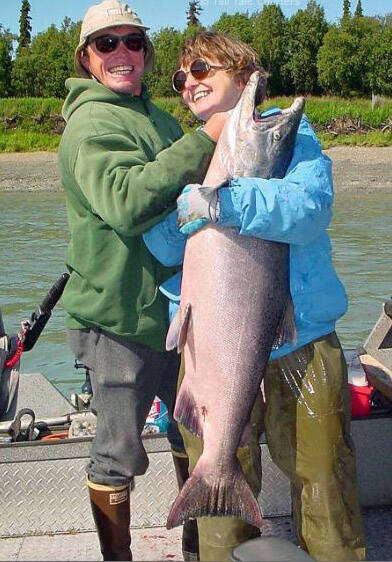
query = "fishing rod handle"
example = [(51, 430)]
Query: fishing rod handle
[(54, 293)]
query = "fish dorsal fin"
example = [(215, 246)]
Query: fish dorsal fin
[(176, 336)]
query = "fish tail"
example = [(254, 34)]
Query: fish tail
[(214, 495)]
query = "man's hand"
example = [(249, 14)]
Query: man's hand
[(196, 206), (214, 126)]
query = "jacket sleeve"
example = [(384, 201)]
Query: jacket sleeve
[(166, 242), (294, 209), (129, 190)]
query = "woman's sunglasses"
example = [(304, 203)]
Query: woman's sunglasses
[(109, 43), (199, 69)]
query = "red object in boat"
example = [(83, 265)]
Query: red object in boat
[(360, 400)]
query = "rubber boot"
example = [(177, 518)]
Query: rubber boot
[(190, 535), (111, 511)]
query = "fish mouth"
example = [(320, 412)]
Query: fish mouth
[(296, 108), (249, 109)]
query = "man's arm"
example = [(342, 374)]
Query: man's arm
[(129, 192), (124, 186)]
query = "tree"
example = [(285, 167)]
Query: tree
[(167, 43), (24, 25), (269, 31), (358, 9), (386, 20), (191, 30), (379, 73), (41, 70), (336, 71), (26, 77), (237, 25), (194, 10), (344, 60), (6, 49), (346, 12), (305, 33)]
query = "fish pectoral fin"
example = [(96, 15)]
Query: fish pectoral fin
[(208, 494), (286, 331), (176, 335)]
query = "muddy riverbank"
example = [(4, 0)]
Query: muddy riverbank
[(356, 169)]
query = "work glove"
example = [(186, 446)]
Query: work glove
[(196, 206)]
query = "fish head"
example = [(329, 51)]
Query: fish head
[(255, 146)]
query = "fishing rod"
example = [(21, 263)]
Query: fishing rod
[(32, 328)]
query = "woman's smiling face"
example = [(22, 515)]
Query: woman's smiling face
[(217, 92)]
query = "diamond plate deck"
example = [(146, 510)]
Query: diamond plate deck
[(44, 492), (159, 544), (50, 496)]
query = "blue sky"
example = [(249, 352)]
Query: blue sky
[(158, 13)]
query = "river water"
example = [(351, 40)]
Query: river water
[(33, 241)]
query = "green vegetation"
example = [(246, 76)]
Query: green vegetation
[(29, 107), (302, 53), (322, 110), (22, 141), (356, 139), (32, 124), (24, 25)]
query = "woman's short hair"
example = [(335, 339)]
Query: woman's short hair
[(240, 59)]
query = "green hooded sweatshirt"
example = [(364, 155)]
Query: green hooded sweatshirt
[(123, 163)]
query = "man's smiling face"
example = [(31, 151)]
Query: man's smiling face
[(120, 70)]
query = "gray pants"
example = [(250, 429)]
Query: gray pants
[(125, 377)]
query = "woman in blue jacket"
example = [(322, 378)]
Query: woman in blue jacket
[(307, 407)]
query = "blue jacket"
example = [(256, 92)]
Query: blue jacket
[(296, 210)]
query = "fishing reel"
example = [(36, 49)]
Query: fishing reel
[(82, 400)]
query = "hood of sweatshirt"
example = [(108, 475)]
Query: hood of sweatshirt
[(84, 90)]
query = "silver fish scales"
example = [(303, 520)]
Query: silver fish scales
[(235, 305)]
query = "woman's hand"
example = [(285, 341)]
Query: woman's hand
[(196, 206)]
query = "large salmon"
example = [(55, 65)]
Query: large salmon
[(234, 297)]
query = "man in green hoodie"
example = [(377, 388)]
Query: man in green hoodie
[(123, 163)]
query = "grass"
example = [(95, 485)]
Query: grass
[(29, 106), (321, 110), (34, 120), (22, 141), (373, 138)]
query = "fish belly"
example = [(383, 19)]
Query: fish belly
[(237, 288)]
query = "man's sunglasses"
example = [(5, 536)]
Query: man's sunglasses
[(109, 43), (199, 69)]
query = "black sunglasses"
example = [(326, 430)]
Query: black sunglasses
[(109, 43), (199, 69)]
